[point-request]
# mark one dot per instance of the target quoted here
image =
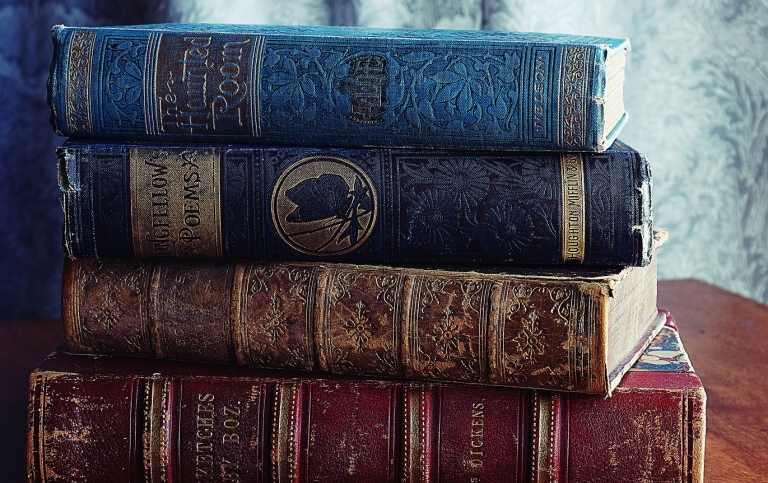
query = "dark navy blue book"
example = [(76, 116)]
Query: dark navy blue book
[(362, 205), (339, 86)]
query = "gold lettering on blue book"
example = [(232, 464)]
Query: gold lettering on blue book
[(175, 203), (365, 88), (80, 66), (204, 84), (573, 208), (324, 205), (541, 86)]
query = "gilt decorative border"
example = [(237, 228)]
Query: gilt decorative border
[(80, 66), (573, 115)]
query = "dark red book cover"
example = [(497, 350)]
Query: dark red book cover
[(111, 419)]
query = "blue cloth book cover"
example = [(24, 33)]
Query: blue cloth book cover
[(339, 86), (364, 205)]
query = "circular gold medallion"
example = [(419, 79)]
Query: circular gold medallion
[(324, 205)]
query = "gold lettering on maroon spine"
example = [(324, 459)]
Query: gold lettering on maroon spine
[(175, 203), (365, 88), (204, 438), (79, 68), (477, 436), (324, 205), (573, 207), (206, 84), (573, 118), (216, 434), (229, 468)]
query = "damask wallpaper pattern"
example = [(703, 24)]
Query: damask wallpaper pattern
[(697, 93)]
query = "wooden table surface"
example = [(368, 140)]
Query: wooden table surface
[(725, 335)]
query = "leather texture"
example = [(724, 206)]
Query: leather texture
[(422, 206), (560, 330), (111, 419), (334, 86)]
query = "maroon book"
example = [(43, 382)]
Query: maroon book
[(112, 419)]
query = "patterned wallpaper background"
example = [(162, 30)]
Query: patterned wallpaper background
[(697, 93)]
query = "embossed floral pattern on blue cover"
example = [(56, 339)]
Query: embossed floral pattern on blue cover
[(451, 93), (122, 84), (334, 86)]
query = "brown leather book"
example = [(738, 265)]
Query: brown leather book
[(113, 419), (557, 329)]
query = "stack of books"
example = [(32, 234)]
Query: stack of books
[(339, 254)]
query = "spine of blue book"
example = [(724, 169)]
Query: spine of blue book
[(364, 205), (335, 86)]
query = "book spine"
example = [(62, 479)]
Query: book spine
[(659, 436), (316, 87), (389, 206), (339, 318), (266, 428)]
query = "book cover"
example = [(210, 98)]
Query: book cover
[(112, 419), (368, 205), (339, 86), (558, 329)]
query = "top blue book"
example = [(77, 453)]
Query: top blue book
[(339, 86)]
